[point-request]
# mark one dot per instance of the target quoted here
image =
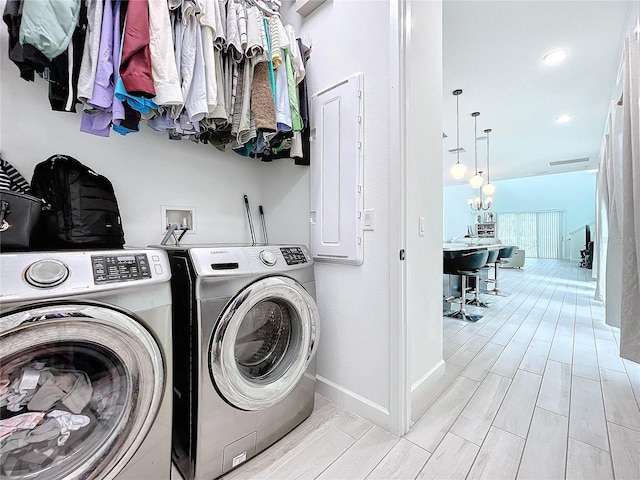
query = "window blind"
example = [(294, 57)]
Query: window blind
[(539, 234)]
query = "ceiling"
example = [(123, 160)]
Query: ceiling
[(493, 51)]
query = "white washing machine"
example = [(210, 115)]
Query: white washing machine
[(245, 336), (85, 365)]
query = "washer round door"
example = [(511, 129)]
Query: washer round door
[(80, 386), (263, 342)]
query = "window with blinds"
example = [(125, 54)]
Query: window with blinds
[(539, 234)]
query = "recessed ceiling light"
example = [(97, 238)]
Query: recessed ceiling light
[(554, 57), (564, 118)]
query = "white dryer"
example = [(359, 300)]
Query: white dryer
[(245, 335), (85, 365)]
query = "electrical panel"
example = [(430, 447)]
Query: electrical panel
[(336, 201)]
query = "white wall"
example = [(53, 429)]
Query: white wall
[(424, 198), (285, 194), (147, 169), (573, 192), (353, 355)]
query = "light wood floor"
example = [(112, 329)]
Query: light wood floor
[(535, 389)]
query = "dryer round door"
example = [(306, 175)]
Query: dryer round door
[(80, 387), (263, 342)]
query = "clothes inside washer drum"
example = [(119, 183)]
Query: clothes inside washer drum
[(263, 339)]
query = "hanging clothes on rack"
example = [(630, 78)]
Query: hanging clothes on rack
[(12, 17), (48, 39), (98, 112), (190, 61), (135, 83), (255, 33), (299, 149), (135, 57), (235, 79), (63, 71), (48, 26), (163, 67), (207, 19), (89, 63)]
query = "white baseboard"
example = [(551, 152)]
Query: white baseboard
[(420, 388), (353, 402)]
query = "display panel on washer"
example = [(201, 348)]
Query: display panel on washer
[(116, 268), (293, 255)]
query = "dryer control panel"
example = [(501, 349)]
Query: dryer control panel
[(118, 268)]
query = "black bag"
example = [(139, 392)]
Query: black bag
[(84, 210), (19, 214)]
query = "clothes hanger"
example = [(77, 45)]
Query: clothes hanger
[(262, 6)]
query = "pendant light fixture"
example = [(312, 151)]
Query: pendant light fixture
[(476, 181), (458, 170), (480, 202), (489, 188)]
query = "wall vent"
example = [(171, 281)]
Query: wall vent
[(456, 150), (542, 172), (568, 162)]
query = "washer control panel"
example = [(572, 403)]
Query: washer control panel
[(119, 268), (241, 260), (293, 255)]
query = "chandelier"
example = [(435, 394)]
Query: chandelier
[(480, 202)]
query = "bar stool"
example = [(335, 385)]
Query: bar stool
[(491, 260), (466, 264), (504, 252)]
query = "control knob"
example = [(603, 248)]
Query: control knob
[(268, 258), (46, 273)]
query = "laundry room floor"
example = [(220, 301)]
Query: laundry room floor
[(535, 389)]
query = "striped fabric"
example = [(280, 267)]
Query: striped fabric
[(10, 178)]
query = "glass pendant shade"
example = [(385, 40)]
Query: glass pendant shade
[(476, 181), (488, 200), (488, 189), (458, 170)]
